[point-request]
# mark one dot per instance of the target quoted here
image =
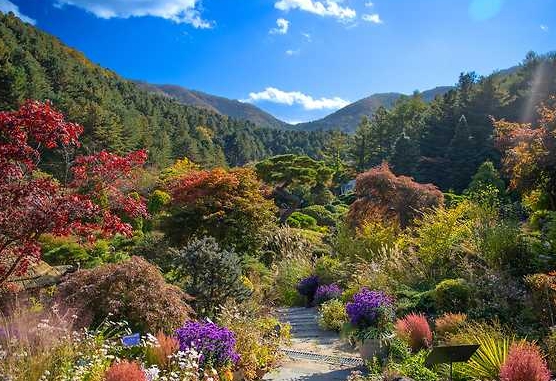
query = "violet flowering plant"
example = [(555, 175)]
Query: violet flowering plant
[(307, 287), (215, 344), (371, 313), (327, 292)]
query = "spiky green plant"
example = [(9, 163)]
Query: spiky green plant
[(494, 343)]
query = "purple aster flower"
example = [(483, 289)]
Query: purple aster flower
[(215, 344), (327, 292), (368, 307)]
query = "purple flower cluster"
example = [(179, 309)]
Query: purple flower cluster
[(308, 286), (327, 292), (215, 344), (368, 307)]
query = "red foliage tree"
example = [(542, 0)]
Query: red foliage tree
[(32, 205), (381, 195), (529, 153)]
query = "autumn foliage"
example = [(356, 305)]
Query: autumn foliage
[(529, 152), (125, 371), (415, 330), (524, 363), (133, 290), (381, 195), (228, 205), (34, 204)]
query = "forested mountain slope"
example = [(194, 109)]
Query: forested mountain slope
[(445, 141), (119, 116), (221, 105), (347, 118)]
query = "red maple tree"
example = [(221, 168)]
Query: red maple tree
[(32, 204), (381, 195)]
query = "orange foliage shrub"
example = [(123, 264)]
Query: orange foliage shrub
[(449, 323), (125, 371), (164, 348)]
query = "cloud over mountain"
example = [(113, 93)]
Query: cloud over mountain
[(274, 95)]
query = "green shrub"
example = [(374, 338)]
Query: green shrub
[(367, 242), (288, 273), (328, 269), (64, 251), (332, 315), (210, 274), (452, 295), (438, 239), (414, 368), (301, 221), (157, 200), (323, 216)]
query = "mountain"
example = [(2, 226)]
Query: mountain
[(224, 106), (347, 118), (121, 116)]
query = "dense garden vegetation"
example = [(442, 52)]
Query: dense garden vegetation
[(177, 261)]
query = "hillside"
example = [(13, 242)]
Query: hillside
[(224, 106), (120, 116), (347, 118)]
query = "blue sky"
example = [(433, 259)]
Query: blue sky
[(298, 59)]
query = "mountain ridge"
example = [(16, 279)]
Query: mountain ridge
[(345, 119)]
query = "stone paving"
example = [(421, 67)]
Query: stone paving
[(314, 354)]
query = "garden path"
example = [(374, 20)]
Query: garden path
[(314, 354)]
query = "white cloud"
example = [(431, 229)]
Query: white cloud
[(330, 8), (291, 52), (179, 11), (7, 6), (307, 36), (374, 18), (544, 28), (369, 4), (282, 26), (271, 94)]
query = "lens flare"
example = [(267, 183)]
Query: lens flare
[(482, 10), (538, 91)]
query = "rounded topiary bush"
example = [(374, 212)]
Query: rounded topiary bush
[(301, 220), (452, 295), (323, 216)]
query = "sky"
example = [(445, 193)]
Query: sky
[(298, 59)]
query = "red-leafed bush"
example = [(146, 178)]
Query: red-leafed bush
[(524, 363), (133, 290), (415, 330), (381, 195), (125, 371)]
